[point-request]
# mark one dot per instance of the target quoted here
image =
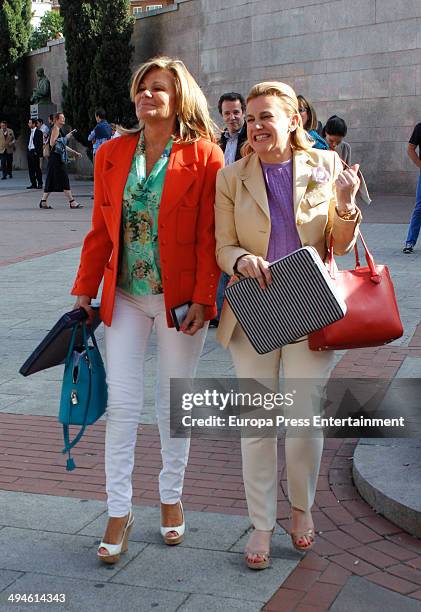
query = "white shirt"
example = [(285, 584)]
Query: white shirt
[(31, 145), (231, 148)]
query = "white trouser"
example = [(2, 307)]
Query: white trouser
[(302, 453), (126, 343)]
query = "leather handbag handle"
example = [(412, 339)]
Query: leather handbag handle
[(85, 331), (375, 277), (71, 343), (66, 431)]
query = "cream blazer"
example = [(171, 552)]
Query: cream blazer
[(242, 215)]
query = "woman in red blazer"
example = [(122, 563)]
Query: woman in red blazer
[(152, 241)]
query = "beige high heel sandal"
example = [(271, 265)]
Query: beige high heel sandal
[(115, 550), (297, 535), (265, 556)]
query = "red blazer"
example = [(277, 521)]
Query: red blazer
[(186, 232)]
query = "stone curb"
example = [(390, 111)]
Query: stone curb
[(391, 492)]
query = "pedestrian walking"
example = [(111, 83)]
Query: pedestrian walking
[(334, 133), (57, 179), (283, 194), (45, 140), (101, 132), (415, 222), (310, 122), (7, 147), (153, 242), (44, 129), (34, 155), (45, 137)]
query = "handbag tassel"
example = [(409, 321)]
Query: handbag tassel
[(70, 464)]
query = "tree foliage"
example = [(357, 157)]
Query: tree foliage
[(15, 29), (111, 72), (80, 29), (50, 25), (98, 51)]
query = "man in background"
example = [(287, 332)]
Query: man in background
[(415, 222), (45, 138), (101, 132), (232, 108), (34, 155), (7, 145)]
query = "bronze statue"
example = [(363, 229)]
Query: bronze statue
[(42, 92)]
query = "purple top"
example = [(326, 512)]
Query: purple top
[(284, 237)]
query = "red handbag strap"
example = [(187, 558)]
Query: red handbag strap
[(357, 256), (375, 277)]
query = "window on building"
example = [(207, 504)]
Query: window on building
[(153, 7), (137, 10)]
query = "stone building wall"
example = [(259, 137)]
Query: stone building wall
[(360, 60)]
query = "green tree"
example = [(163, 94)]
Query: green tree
[(15, 29), (80, 29), (50, 25), (98, 53), (110, 80)]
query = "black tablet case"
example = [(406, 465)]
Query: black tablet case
[(52, 350)]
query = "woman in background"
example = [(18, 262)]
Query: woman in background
[(310, 122), (334, 133), (57, 178)]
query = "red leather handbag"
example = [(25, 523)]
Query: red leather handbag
[(372, 317)]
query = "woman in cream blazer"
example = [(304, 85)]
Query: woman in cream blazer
[(282, 195)]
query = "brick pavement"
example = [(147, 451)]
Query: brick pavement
[(352, 538)]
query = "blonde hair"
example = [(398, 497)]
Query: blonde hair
[(299, 139), (311, 112), (193, 118)]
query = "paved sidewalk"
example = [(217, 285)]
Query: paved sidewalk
[(44, 231), (204, 572), (51, 520)]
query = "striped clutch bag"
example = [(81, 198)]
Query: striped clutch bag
[(301, 299)]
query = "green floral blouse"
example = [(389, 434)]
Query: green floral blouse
[(140, 272)]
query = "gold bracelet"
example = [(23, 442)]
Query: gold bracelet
[(348, 215)]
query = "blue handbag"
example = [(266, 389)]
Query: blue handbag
[(84, 390), (60, 148)]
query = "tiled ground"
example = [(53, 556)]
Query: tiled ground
[(352, 539)]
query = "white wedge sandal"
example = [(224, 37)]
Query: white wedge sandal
[(114, 550), (178, 529)]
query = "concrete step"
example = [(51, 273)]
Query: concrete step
[(387, 474)]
